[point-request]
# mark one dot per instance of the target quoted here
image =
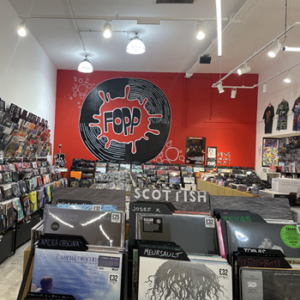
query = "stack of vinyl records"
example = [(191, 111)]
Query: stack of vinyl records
[(165, 271), (92, 274)]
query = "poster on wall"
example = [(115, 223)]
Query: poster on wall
[(224, 158), (270, 152), (195, 150), (211, 157), (125, 119)]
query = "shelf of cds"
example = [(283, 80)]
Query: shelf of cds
[(25, 188), (180, 244)]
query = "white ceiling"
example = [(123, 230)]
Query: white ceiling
[(170, 46)]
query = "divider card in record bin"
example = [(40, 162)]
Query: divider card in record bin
[(270, 152)]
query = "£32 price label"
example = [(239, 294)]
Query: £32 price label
[(209, 222), (113, 278)]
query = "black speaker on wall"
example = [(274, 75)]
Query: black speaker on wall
[(205, 60)]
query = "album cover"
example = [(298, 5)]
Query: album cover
[(15, 189), (88, 207), (18, 207), (190, 232), (84, 275), (9, 213), (25, 200), (40, 198), (241, 216), (269, 284), (91, 196), (6, 191), (23, 187), (97, 227), (263, 236), (266, 207), (33, 201), (161, 279), (2, 219)]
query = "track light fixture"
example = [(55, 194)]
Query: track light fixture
[(85, 66), (245, 69), (265, 88), (233, 93), (275, 49), (136, 46), (200, 31), (22, 30), (288, 78), (107, 32), (220, 88), (291, 49)]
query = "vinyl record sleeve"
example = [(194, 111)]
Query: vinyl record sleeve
[(33, 201), (95, 196), (84, 275), (18, 207), (161, 279), (263, 236), (8, 212), (98, 228), (269, 284), (190, 232), (268, 208)]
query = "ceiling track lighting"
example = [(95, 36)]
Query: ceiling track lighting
[(85, 66), (291, 49), (233, 93), (107, 31), (265, 88), (245, 69), (22, 30), (136, 46), (220, 88), (275, 49), (288, 78), (219, 26), (200, 31)]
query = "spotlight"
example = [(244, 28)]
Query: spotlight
[(107, 30), (220, 88), (136, 46), (200, 31), (288, 78), (233, 93), (85, 66), (265, 88), (22, 31), (245, 69), (275, 49)]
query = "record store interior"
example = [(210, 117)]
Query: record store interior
[(150, 150)]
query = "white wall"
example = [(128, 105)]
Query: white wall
[(27, 75), (277, 90)]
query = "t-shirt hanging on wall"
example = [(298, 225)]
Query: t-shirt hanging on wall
[(296, 111), (268, 117), (282, 112)]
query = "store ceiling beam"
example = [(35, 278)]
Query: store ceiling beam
[(256, 53), (140, 20)]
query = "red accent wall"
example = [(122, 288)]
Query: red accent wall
[(197, 110)]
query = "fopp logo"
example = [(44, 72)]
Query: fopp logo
[(125, 119)]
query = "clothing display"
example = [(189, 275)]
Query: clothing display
[(282, 112), (296, 111), (268, 117)]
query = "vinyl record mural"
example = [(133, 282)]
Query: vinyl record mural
[(125, 119)]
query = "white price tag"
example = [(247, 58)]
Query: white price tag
[(116, 218), (113, 278), (209, 222), (97, 207)]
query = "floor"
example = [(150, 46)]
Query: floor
[(11, 272)]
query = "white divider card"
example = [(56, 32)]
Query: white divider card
[(197, 201), (252, 285)]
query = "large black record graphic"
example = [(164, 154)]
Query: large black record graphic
[(125, 119)]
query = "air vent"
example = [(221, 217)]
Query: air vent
[(175, 1)]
